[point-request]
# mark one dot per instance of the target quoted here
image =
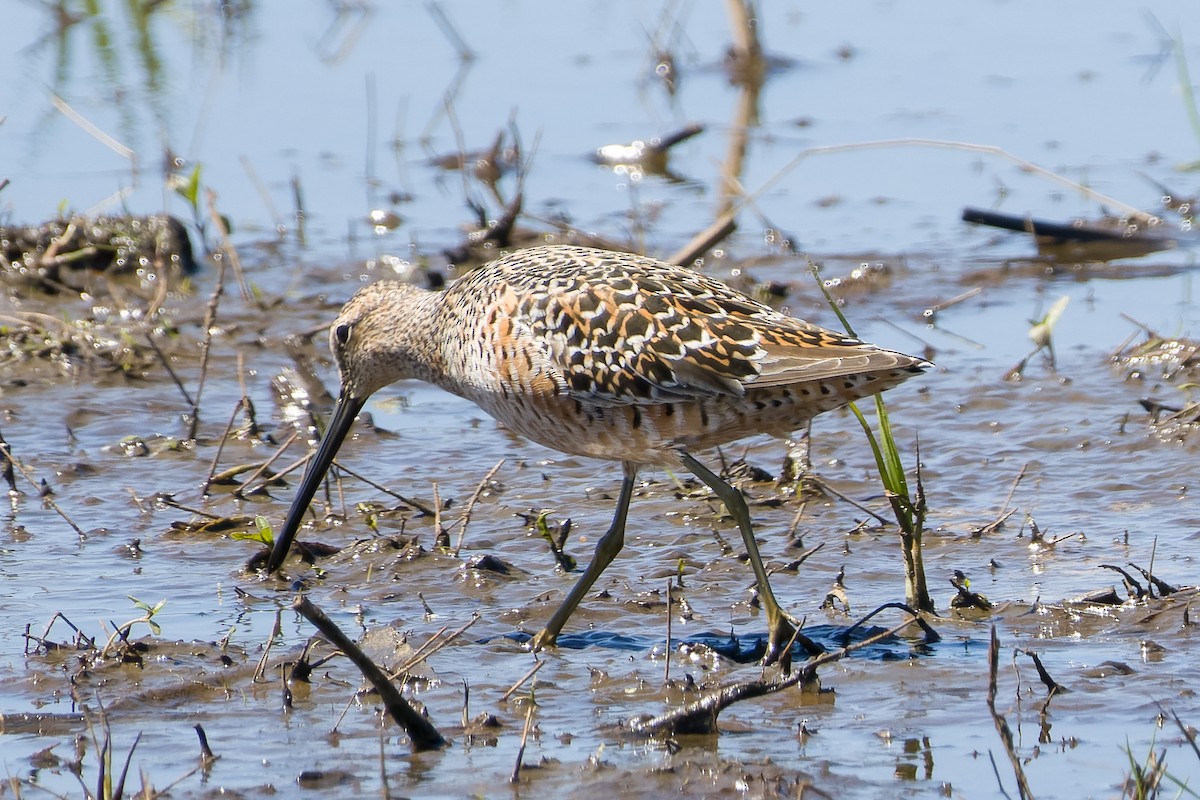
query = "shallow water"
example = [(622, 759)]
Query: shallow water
[(279, 94)]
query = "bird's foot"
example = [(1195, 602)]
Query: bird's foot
[(780, 637), (541, 640)]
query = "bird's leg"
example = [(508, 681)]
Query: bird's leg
[(779, 629), (606, 550)]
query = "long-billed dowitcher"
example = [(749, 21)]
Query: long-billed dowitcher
[(607, 355)]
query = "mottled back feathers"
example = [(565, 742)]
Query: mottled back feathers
[(623, 329)]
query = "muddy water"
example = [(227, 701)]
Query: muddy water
[(905, 718)]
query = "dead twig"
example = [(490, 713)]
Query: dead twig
[(932, 311), (8, 457), (994, 525), (432, 646), (81, 638), (1002, 728), (512, 690), (705, 240), (1159, 584), (1054, 686), (448, 29), (1005, 511), (516, 773), (996, 772), (210, 320), (128, 153), (252, 429), (248, 485), (667, 649), (1135, 589), (212, 468), (441, 538), (465, 518), (416, 505), (825, 487), (162, 358), (796, 563), (1149, 573), (276, 629), (169, 501), (701, 715), (931, 635), (226, 245)]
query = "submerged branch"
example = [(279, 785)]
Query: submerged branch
[(421, 731), (701, 716)]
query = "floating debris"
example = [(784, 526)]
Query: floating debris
[(1173, 362), (645, 157), (54, 255), (1106, 239)]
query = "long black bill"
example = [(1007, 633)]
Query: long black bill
[(339, 425)]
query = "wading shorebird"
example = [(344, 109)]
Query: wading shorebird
[(608, 355)]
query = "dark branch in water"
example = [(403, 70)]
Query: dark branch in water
[(1006, 736), (701, 716), (421, 732)]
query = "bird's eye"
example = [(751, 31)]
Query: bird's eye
[(342, 333)]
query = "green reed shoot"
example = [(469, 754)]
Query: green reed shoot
[(909, 509)]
